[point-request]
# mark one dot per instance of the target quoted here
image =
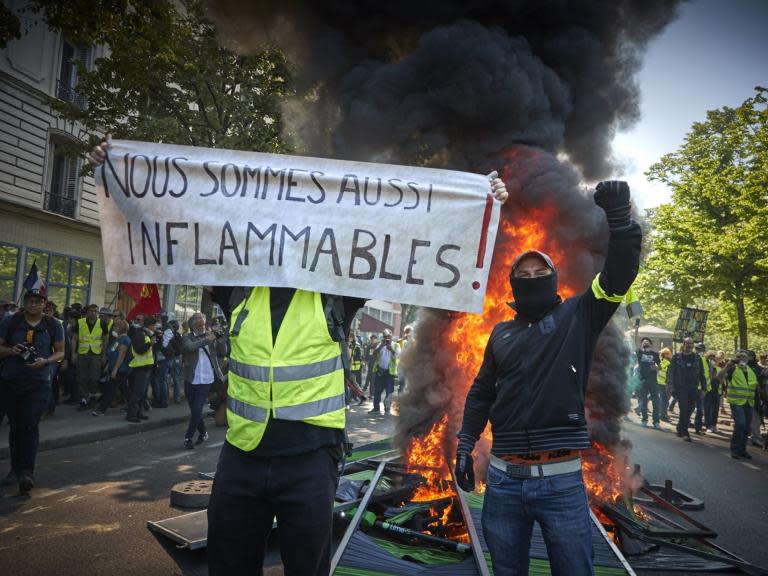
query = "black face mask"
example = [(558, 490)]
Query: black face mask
[(534, 297)]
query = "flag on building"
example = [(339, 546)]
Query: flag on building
[(146, 297), (34, 281)]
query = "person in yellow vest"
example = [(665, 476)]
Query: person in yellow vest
[(742, 383), (286, 417), (699, 423), (404, 343), (89, 347), (385, 363), (141, 364), (355, 369), (661, 379)]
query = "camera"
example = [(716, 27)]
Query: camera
[(28, 353)]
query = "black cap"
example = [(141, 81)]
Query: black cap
[(547, 260), (35, 292)]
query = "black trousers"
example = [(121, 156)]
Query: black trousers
[(249, 492), (139, 383), (686, 398), (110, 390), (24, 402)]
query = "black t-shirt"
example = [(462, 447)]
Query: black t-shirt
[(13, 367), (289, 437), (647, 360)]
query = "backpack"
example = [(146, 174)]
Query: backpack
[(49, 325), (174, 346)]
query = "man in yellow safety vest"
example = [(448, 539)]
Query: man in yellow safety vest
[(89, 348)]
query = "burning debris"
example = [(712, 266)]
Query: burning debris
[(475, 86)]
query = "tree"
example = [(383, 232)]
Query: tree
[(166, 79), (710, 244)]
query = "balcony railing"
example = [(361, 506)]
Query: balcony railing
[(68, 94), (59, 204)]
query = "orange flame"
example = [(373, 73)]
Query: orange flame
[(604, 475)]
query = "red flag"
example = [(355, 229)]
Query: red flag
[(132, 290), (147, 300)]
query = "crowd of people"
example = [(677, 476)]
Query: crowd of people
[(109, 363), (696, 381)]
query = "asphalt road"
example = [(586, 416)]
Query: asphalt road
[(735, 492), (89, 512)]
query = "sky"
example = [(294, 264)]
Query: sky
[(712, 55)]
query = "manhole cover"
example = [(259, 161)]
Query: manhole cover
[(192, 494)]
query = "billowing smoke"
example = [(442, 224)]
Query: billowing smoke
[(474, 86), (450, 82)]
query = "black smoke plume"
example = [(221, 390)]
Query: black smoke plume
[(475, 86)]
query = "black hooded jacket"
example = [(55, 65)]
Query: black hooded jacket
[(533, 379)]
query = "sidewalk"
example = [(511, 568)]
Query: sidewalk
[(68, 426)]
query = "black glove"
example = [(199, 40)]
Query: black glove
[(465, 471), (613, 197)]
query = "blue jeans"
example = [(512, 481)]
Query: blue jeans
[(196, 394), (698, 423), (176, 378), (160, 384), (384, 382), (558, 503), (648, 390), (742, 418)]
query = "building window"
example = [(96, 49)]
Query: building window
[(9, 267), (64, 190), (67, 82), (67, 279), (188, 301)]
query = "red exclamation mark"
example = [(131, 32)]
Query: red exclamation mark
[(483, 236)]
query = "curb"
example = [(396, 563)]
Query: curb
[(89, 436)]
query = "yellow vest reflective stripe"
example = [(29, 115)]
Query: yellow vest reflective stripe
[(139, 360), (601, 294), (356, 365), (87, 340), (298, 377), (741, 389), (661, 376)]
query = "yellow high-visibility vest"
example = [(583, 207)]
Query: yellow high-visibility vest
[(87, 340), (741, 388), (661, 376), (146, 359), (299, 377)]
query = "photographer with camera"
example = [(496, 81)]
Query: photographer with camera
[(29, 344), (201, 349), (385, 362), (142, 363)]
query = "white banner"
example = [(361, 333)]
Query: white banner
[(187, 215)]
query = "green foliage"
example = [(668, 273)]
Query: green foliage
[(709, 246), (166, 79), (10, 27)]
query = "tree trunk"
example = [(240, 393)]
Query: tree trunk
[(742, 318)]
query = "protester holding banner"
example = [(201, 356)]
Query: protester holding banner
[(531, 385), (285, 404)]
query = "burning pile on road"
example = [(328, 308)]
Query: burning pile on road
[(450, 346)]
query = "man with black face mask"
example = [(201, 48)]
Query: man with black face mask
[(531, 386)]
